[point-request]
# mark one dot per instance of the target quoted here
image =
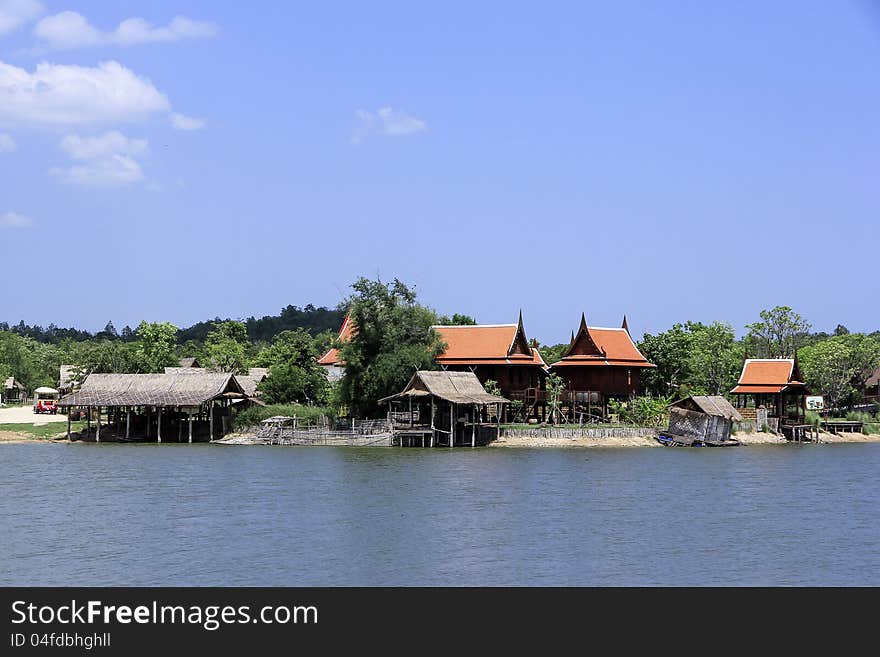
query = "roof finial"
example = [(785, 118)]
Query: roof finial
[(583, 322), (572, 338), (624, 326)]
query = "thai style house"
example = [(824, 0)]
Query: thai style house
[(771, 390), (331, 361), (496, 352), (13, 391), (600, 364), (872, 387)]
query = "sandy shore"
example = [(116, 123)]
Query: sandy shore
[(12, 437)]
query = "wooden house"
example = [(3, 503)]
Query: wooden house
[(14, 391), (331, 360), (706, 419), (600, 364), (773, 385), (496, 352), (872, 387)]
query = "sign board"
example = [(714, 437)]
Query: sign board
[(815, 403)]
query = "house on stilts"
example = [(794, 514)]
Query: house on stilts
[(500, 353), (444, 409), (771, 391), (600, 364)]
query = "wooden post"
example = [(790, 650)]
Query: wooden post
[(159, 424), (88, 420), (98, 429), (127, 421), (432, 422), (68, 424), (452, 424), (189, 417), (474, 428), (179, 424), (211, 418), (149, 417)]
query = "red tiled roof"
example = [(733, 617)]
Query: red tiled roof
[(487, 344), (345, 333)]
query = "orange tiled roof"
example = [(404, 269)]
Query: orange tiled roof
[(767, 375), (602, 347), (486, 344), (345, 333)]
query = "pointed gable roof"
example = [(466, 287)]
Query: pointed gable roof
[(768, 376), (487, 344), (345, 332), (595, 346)]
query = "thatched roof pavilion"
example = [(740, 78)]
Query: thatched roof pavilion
[(190, 391), (461, 392)]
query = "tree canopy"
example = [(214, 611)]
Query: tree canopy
[(392, 340)]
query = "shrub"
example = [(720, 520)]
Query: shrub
[(812, 418), (252, 416)]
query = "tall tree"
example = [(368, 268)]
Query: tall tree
[(226, 346), (156, 348), (392, 339), (714, 359), (294, 373), (779, 333)]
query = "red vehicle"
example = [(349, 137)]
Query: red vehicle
[(46, 406)]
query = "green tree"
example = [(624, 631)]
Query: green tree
[(838, 367), (555, 388), (670, 352), (156, 348), (552, 353), (456, 320), (714, 361), (779, 333), (226, 346), (393, 339), (294, 374)]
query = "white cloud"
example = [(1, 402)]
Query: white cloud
[(181, 122), (15, 13), (7, 144), (107, 160), (69, 30), (13, 220), (62, 95), (386, 121)]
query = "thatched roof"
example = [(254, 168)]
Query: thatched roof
[(12, 382), (174, 388), (248, 384), (189, 362), (455, 387), (259, 373), (710, 405), (66, 374)]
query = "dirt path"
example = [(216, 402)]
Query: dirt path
[(26, 415)]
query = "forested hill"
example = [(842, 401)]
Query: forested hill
[(312, 319)]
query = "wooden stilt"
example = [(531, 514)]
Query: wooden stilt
[(68, 424), (211, 418), (179, 425), (432, 422), (88, 421), (452, 425), (127, 421), (98, 428), (159, 424), (190, 418), (149, 419), (474, 428)]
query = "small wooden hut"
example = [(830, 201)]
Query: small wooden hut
[(706, 419), (444, 408), (14, 391)]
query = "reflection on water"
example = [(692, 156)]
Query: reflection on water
[(209, 515)]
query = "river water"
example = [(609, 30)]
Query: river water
[(151, 515)]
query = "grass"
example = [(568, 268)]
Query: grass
[(50, 430)]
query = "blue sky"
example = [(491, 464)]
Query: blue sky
[(672, 161)]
